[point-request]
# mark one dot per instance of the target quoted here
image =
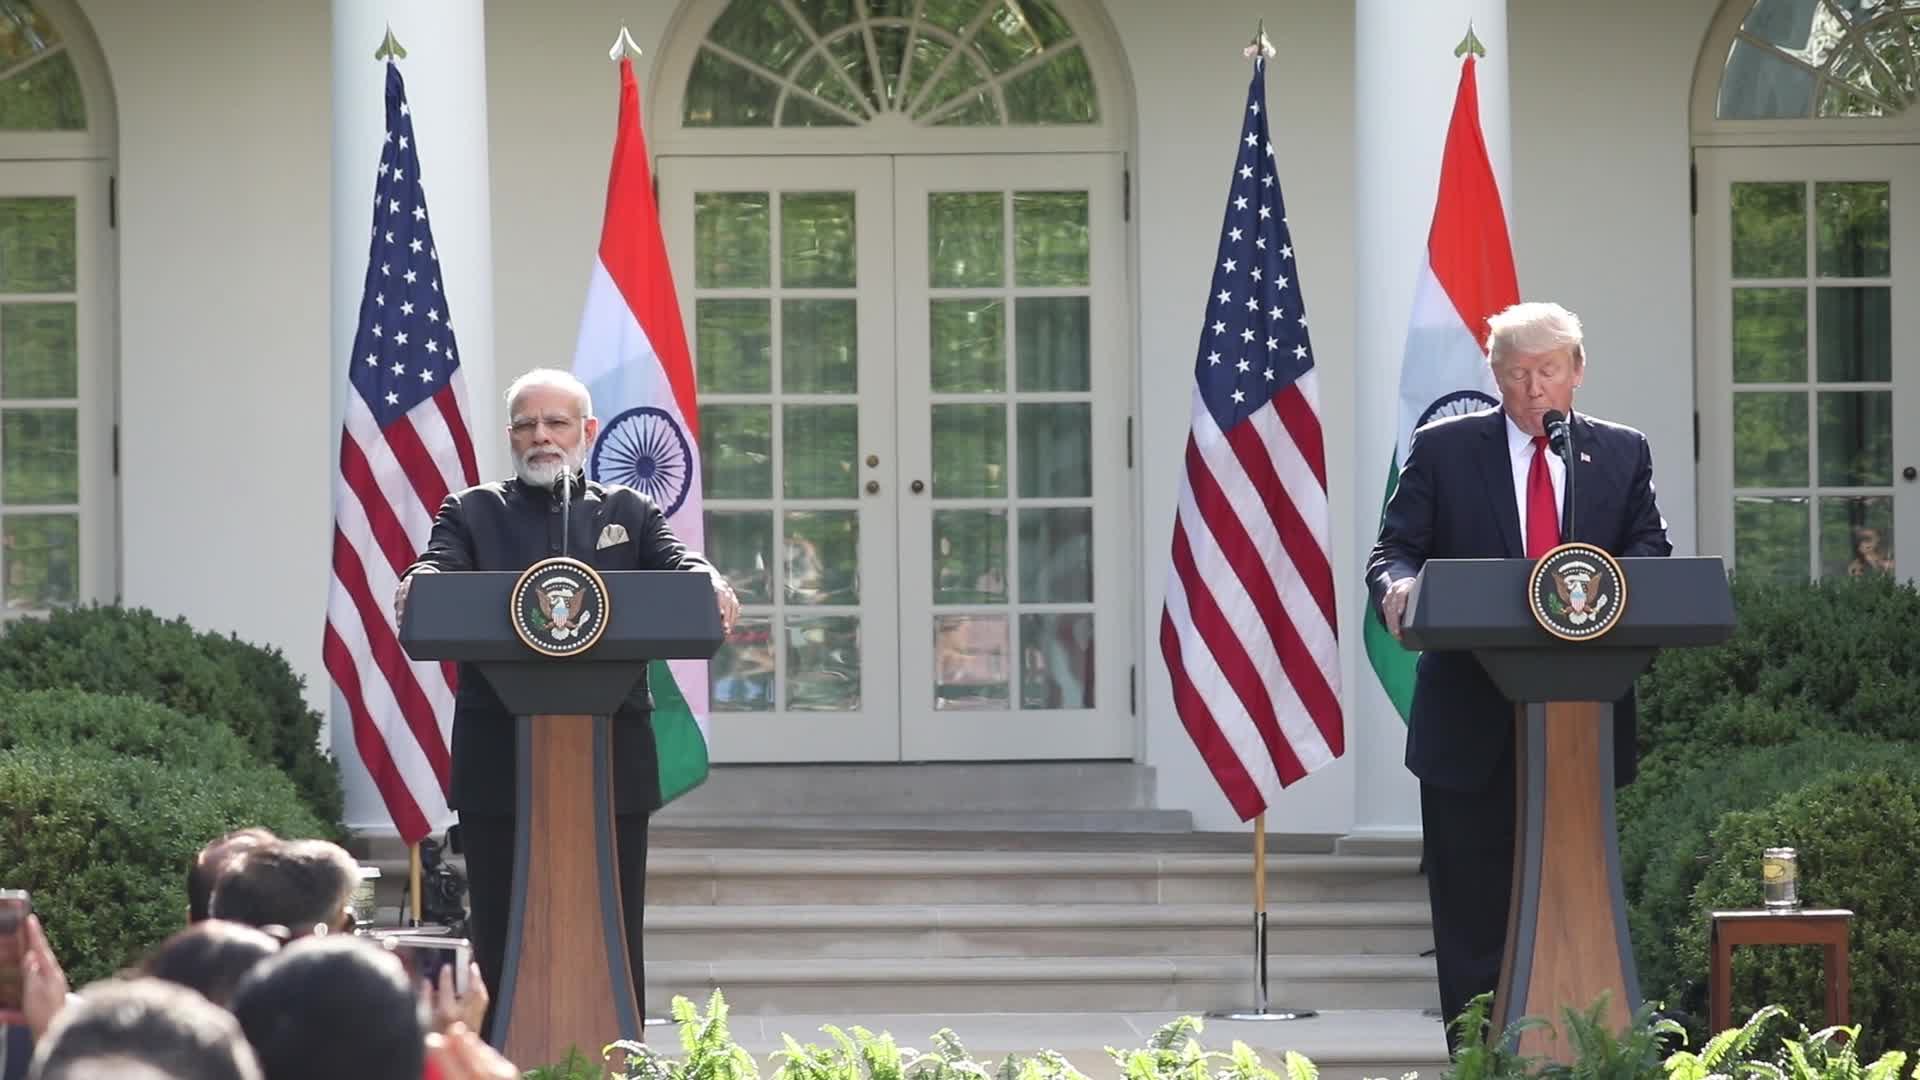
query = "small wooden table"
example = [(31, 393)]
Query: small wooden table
[(1827, 928)]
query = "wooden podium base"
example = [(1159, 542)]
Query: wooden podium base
[(567, 980), (1567, 922)]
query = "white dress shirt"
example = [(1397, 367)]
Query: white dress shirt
[(1520, 453)]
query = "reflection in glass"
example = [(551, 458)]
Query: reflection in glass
[(1770, 538), (819, 346), (1769, 230), (1054, 350), (1770, 439), (1856, 334), (40, 559), (1769, 335), (970, 662), (740, 677), (1059, 91), (39, 456), (760, 32), (817, 239), (965, 239), (821, 78), (969, 556), (1757, 85), (721, 93), (823, 556), (823, 663), (1056, 661), (736, 451), (37, 241), (1856, 535), (46, 96), (820, 449), (1854, 228), (739, 543), (733, 345), (1056, 555), (969, 451), (1856, 438), (969, 345), (24, 32), (1056, 450), (39, 351), (1050, 238), (731, 238)]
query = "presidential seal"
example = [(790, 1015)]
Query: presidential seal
[(559, 607), (1577, 592)]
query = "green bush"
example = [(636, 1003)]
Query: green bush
[(104, 841), (1855, 834), (1667, 814), (118, 724), (251, 690)]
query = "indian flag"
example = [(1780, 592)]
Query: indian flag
[(632, 354), (1468, 276)]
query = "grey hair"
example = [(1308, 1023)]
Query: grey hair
[(1534, 327), (554, 377)]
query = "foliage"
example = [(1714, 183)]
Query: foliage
[(1853, 833), (1485, 1054), (707, 1041), (103, 841), (575, 1066), (1600, 1053), (249, 689), (118, 724)]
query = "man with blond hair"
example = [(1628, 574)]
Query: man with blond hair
[(1487, 485)]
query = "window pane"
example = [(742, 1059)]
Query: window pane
[(1769, 230), (969, 556), (969, 451), (825, 15), (736, 451), (965, 238), (37, 244), (823, 556), (970, 662), (1856, 536), (1856, 334), (1770, 440), (1050, 238), (969, 346), (800, 111), (823, 663), (1791, 26), (817, 239), (819, 347), (1056, 661), (1856, 438), (1056, 450), (734, 344), (953, 15), (1770, 538), (1855, 229), (1008, 38), (759, 31), (1758, 84), (1055, 342), (1059, 91), (890, 47), (740, 545), (821, 77), (721, 93), (44, 97), (1056, 556), (39, 457), (39, 351), (731, 239), (821, 442), (741, 673), (1769, 335), (961, 80), (849, 53), (41, 560), (929, 52), (24, 32)]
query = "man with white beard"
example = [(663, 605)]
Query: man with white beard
[(510, 525)]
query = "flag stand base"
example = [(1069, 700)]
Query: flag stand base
[(1261, 1010)]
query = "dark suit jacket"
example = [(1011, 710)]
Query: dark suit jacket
[(1455, 501), (507, 525)]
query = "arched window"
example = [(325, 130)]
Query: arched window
[(1822, 58)]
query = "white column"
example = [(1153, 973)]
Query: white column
[(446, 75), (1405, 75)]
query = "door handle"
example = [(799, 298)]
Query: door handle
[(918, 486), (873, 487), (1909, 473)]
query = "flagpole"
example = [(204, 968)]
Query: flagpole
[(1262, 1009), (413, 880)]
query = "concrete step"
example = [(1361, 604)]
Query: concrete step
[(945, 985), (772, 793), (718, 933)]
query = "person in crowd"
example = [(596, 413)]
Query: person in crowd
[(304, 885), (144, 1029), (210, 957), (214, 858)]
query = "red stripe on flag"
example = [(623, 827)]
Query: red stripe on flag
[(1303, 427), (449, 406), (1242, 794), (423, 472), (635, 253), (392, 661), (1468, 247), (1302, 547), (407, 818), (388, 534)]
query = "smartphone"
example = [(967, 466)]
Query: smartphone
[(423, 955), (15, 905)]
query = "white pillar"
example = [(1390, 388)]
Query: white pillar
[(1405, 74), (446, 75)]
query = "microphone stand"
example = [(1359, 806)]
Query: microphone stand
[(1567, 455)]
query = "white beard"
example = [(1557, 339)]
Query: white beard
[(544, 472)]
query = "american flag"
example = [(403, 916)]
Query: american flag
[(1248, 630), (403, 447)]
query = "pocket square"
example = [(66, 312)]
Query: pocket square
[(1586, 457), (611, 535)]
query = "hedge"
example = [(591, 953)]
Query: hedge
[(251, 690)]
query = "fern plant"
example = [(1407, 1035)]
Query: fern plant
[(1483, 1056), (1720, 1054), (707, 1042), (1600, 1053), (1829, 1054)]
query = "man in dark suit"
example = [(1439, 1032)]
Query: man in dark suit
[(1486, 485), (510, 525)]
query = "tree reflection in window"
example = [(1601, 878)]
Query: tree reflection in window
[(39, 89), (843, 63), (1821, 58)]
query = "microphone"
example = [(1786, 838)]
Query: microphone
[(563, 486), (1560, 438)]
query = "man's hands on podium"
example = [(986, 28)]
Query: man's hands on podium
[(1393, 605), (400, 594), (729, 603)]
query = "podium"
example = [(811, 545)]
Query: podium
[(1567, 936), (567, 980)]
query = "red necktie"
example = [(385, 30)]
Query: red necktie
[(1543, 517)]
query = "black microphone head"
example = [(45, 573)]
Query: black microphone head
[(1554, 418), (1555, 423)]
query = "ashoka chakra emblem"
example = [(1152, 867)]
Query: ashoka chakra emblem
[(645, 449), (1458, 403)]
